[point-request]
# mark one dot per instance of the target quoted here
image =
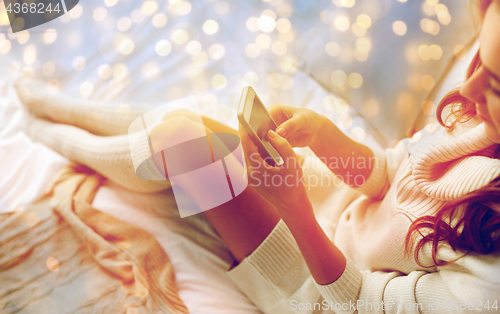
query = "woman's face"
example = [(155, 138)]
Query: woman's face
[(483, 87)]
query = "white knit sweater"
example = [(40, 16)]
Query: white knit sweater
[(411, 180)]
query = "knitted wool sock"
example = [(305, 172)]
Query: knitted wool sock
[(97, 118), (75, 135), (108, 155)]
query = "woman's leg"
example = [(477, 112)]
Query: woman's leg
[(94, 117), (244, 222)]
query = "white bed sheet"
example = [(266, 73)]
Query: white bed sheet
[(198, 256)]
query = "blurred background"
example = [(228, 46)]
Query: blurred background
[(367, 64)]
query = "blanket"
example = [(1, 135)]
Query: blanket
[(60, 247)]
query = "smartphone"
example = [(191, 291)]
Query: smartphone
[(257, 121)]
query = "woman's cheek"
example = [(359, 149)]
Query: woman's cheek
[(493, 105)]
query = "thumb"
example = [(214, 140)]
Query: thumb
[(283, 148), (288, 127)]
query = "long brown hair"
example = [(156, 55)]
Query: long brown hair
[(470, 223)]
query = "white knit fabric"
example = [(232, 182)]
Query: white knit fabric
[(371, 232)]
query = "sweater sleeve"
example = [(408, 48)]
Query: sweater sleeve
[(384, 167), (456, 288), (275, 277)]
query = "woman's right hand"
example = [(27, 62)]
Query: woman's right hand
[(299, 126)]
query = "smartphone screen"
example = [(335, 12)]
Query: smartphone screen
[(261, 122)]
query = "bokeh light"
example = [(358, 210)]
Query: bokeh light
[(29, 55), (423, 52), (219, 81), (163, 47), (23, 37), (344, 121), (430, 26), (358, 30), (159, 20), (443, 14), (221, 7), (79, 63), (5, 46), (288, 64), (110, 3), (120, 71), (150, 71), (124, 24), (251, 78), (355, 80), (270, 13), (342, 23), (200, 60), (347, 3), (263, 41), (49, 36), (193, 47), (179, 36), (435, 52), (405, 102), (266, 23), (251, 24), (216, 51), (137, 16), (48, 68), (275, 80), (399, 28), (364, 21), (86, 89), (428, 108), (100, 14), (279, 48), (358, 134), (126, 47), (283, 25), (210, 27), (76, 12), (427, 82), (104, 72), (149, 7), (332, 49), (339, 78), (363, 44), (183, 8)]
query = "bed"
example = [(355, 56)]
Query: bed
[(128, 54)]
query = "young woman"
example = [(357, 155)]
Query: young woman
[(419, 231)]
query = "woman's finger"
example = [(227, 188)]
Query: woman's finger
[(250, 150), (289, 127), (283, 148), (276, 112)]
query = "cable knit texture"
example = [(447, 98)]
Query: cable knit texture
[(413, 179)]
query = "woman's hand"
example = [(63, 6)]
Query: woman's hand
[(283, 186), (292, 202), (299, 126)]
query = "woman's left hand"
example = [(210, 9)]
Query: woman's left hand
[(282, 185)]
